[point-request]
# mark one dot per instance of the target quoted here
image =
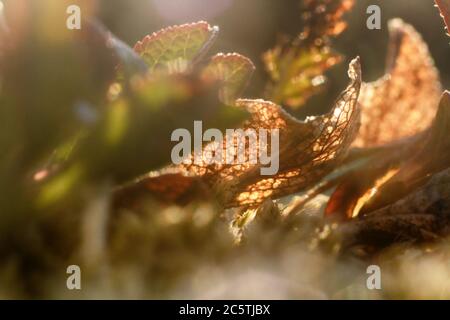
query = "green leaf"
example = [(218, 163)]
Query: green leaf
[(176, 48), (296, 75), (232, 71)]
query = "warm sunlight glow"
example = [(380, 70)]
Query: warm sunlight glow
[(372, 192)]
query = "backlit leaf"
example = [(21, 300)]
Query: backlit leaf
[(404, 101), (176, 48), (308, 151), (444, 8), (232, 71), (434, 192), (394, 172), (431, 157), (296, 76)]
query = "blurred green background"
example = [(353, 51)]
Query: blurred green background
[(251, 27)]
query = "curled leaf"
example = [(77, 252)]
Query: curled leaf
[(232, 71), (396, 111), (421, 215), (394, 172), (404, 101), (176, 48), (356, 189), (431, 157), (435, 192), (307, 150)]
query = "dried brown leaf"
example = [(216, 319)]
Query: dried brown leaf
[(422, 215), (404, 101), (435, 192), (444, 9), (308, 150), (378, 232), (394, 171), (431, 157)]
